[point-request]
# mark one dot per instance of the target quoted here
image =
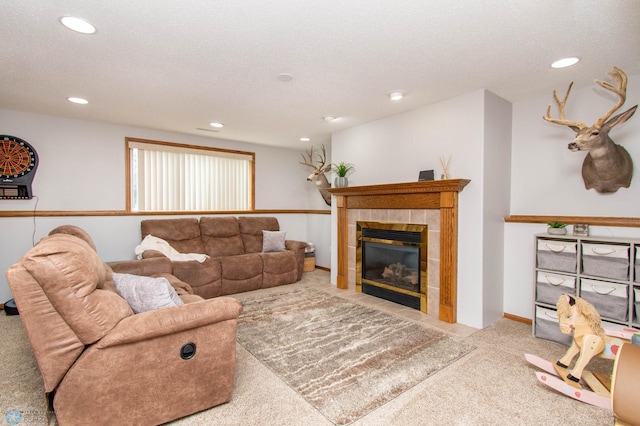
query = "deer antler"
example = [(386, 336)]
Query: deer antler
[(310, 162), (562, 120), (323, 159), (621, 81)]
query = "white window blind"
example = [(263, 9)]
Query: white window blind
[(172, 177)]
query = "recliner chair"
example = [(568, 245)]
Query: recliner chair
[(625, 399), (103, 364)]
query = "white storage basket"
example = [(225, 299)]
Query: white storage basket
[(546, 326), (549, 287), (556, 255), (606, 260), (611, 300)]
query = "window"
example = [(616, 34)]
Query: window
[(164, 176)]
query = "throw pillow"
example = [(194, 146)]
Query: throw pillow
[(273, 241), (145, 293)]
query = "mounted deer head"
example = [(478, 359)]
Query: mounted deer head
[(608, 166), (317, 175)]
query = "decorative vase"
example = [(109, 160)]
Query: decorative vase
[(557, 231), (341, 182)]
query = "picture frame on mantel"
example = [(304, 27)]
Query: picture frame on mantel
[(425, 175)]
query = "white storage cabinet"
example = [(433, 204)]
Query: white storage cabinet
[(603, 271)]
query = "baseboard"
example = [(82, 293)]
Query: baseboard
[(1, 306), (323, 268), (518, 319)]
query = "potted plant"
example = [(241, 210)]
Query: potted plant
[(556, 228), (342, 170)]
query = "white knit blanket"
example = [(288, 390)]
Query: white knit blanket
[(154, 243)]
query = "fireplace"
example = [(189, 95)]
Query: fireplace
[(405, 199), (391, 262)]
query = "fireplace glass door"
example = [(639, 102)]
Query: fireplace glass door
[(391, 262)]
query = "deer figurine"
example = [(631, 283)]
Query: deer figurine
[(317, 175), (607, 166)]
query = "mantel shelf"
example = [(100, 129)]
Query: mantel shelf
[(448, 185)]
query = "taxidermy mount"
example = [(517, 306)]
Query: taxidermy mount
[(318, 174), (607, 166)]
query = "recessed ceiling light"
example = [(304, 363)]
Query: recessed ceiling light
[(80, 101), (396, 95), (565, 62), (305, 139), (285, 77), (216, 124), (78, 24), (329, 118)]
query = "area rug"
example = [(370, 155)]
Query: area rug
[(345, 359)]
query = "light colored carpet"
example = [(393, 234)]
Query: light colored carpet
[(345, 359), (493, 385)]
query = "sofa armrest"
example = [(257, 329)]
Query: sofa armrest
[(298, 248), (152, 253), (295, 245), (146, 267), (138, 373), (160, 322), (179, 286)]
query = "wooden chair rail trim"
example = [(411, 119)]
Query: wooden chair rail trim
[(627, 222), (105, 213)]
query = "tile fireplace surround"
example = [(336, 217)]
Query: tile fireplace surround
[(434, 203)]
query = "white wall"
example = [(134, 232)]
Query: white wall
[(82, 164), (546, 180), (396, 148), (81, 169), (546, 176), (495, 199)]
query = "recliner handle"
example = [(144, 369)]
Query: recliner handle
[(188, 350)]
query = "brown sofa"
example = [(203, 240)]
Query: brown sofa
[(103, 364), (236, 263)]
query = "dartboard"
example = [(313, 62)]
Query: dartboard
[(17, 157)]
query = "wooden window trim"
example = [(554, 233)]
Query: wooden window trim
[(127, 157)]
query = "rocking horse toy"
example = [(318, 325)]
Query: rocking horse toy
[(577, 316)]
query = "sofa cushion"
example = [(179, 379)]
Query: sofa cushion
[(279, 268), (241, 273), (221, 236), (204, 278), (182, 234), (251, 231), (146, 293), (273, 241)]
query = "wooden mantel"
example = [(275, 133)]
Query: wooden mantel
[(435, 194)]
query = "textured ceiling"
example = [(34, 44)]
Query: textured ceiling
[(178, 65)]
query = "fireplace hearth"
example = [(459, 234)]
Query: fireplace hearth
[(391, 262)]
